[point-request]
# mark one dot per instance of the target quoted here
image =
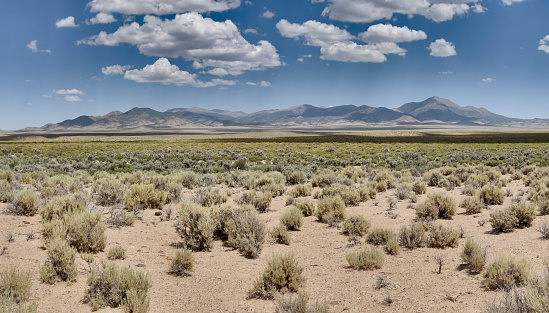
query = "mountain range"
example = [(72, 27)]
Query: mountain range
[(431, 111)]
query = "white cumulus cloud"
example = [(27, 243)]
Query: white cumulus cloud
[(33, 46), (102, 18), (68, 92), (115, 69), (442, 48), (315, 33), (351, 52), (250, 31), (194, 38), (72, 98), (389, 33), (66, 22), (509, 2), (161, 7), (267, 14), (261, 84), (162, 71), (544, 44)]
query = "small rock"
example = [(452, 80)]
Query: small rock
[(158, 213), (141, 265)]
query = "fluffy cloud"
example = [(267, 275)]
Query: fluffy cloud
[(267, 14), (72, 98), (261, 84), (442, 48), (161, 7), (351, 52), (218, 72), (102, 18), (478, 8), (162, 71), (66, 22), (315, 33), (250, 31), (68, 92), (488, 80), (193, 37), (305, 56), (33, 46), (389, 33), (509, 2), (115, 69), (544, 44), (367, 11)]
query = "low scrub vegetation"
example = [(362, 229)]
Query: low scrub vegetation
[(283, 274), (506, 272), (365, 259)]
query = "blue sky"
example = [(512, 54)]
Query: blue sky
[(64, 58)]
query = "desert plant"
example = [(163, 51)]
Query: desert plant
[(331, 205), (195, 226), (116, 253), (473, 255), (25, 202), (392, 246), (419, 187), (296, 177), (412, 236), (145, 197), (209, 196), (281, 235), (443, 237), (379, 236), (182, 263), (60, 262), (543, 229), (108, 191), (365, 259), (472, 205), (492, 194), (503, 221), (299, 304), (258, 199), (119, 217), (283, 274), (437, 205), (306, 206), (301, 191), (15, 283), (85, 231), (355, 226), (505, 272), (524, 212), (110, 285), (292, 218), (57, 206)]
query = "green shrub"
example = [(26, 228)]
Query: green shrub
[(301, 191), (437, 205), (108, 191), (443, 237), (110, 285), (492, 194), (258, 199), (305, 206), (15, 283), (379, 236), (281, 235), (435, 178), (505, 272), (349, 195), (365, 259), (524, 212), (503, 221), (473, 255), (116, 253), (5, 191), (195, 226), (331, 205), (85, 231), (210, 196), (25, 202), (292, 218), (283, 274), (57, 206), (472, 205), (412, 236), (145, 197), (299, 304), (355, 226), (182, 263), (419, 187), (60, 262)]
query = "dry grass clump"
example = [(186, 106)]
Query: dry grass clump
[(305, 206), (443, 237), (331, 206), (355, 227), (543, 229), (379, 236), (365, 259), (108, 191), (412, 236), (492, 194), (110, 285), (472, 205), (473, 255), (292, 218), (24, 202), (210, 196), (299, 304), (437, 205), (435, 178), (283, 274), (195, 226), (506, 272), (60, 263), (182, 263), (301, 191), (144, 197), (258, 199), (116, 253), (15, 284), (281, 235)]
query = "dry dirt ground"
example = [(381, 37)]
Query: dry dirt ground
[(222, 276)]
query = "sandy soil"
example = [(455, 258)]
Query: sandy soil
[(222, 276)]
